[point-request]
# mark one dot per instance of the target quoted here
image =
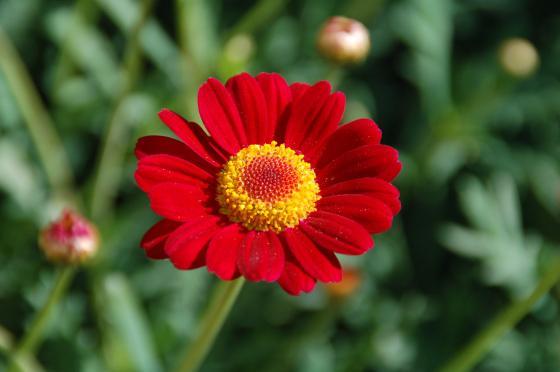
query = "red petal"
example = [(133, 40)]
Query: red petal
[(391, 171), (155, 169), (220, 116), (294, 280), (261, 257), (317, 262), (296, 92), (277, 95), (152, 145), (193, 136), (337, 233), (298, 89), (371, 213), (324, 125), (223, 250), (313, 117), (366, 161), (350, 136), (186, 246), (251, 105), (372, 187), (177, 202), (154, 239), (159, 145)]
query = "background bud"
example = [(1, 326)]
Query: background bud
[(350, 282), (70, 239), (236, 55), (343, 40), (518, 57)]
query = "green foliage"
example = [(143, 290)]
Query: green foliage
[(480, 185), (509, 258)]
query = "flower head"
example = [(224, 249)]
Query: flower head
[(275, 190), (343, 40), (70, 239)]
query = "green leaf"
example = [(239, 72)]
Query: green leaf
[(87, 47), (508, 256), (426, 26), (155, 42)]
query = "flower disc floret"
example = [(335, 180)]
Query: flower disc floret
[(267, 187)]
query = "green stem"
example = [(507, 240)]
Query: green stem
[(363, 11), (108, 171), (191, 70), (466, 359), (222, 301), (6, 340), (24, 362), (39, 123), (334, 75), (35, 331)]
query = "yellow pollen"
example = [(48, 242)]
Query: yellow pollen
[(267, 187)]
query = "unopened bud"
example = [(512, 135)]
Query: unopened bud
[(343, 40), (518, 57), (239, 48), (236, 55), (71, 239), (351, 280)]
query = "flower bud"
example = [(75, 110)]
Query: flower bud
[(236, 55), (351, 280), (239, 48), (71, 239), (343, 40), (518, 57)]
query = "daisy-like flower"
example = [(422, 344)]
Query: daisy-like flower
[(275, 190)]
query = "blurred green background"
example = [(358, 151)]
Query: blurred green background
[(480, 183)]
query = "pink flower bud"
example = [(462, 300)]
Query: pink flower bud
[(70, 239), (343, 40)]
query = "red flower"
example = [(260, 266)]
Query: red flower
[(275, 190)]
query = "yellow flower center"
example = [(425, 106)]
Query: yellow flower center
[(267, 187)]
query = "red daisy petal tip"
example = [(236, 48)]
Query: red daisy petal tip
[(273, 189)]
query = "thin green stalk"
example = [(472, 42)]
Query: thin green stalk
[(6, 340), (363, 11), (189, 64), (108, 170), (39, 123), (468, 357), (25, 362), (334, 75), (191, 70), (35, 331), (222, 301)]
